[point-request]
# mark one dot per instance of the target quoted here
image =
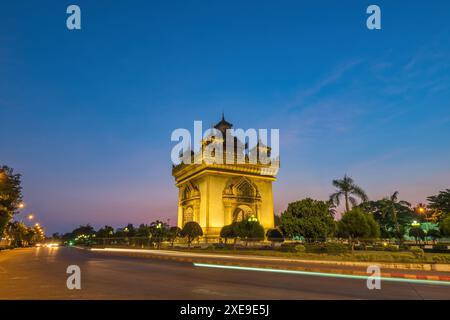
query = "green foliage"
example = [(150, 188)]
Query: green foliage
[(10, 195), (374, 227), (444, 227), (434, 234), (417, 251), (83, 230), (158, 231), (356, 224), (391, 247), (329, 248), (229, 231), (347, 189), (441, 247), (143, 231), (391, 214), (105, 232), (173, 234), (440, 202), (292, 247), (308, 218), (441, 258), (21, 234), (417, 233), (250, 231), (191, 231), (274, 235)]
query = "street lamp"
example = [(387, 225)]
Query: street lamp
[(415, 223), (252, 219)]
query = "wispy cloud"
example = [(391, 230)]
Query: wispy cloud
[(303, 94)]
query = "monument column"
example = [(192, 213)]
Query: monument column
[(228, 214)]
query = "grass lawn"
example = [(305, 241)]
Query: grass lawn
[(380, 256)]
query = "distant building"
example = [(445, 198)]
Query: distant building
[(217, 194)]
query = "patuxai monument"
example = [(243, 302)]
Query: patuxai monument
[(217, 193)]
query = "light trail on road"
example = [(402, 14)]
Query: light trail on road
[(321, 274)]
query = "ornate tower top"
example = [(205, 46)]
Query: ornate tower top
[(223, 125)]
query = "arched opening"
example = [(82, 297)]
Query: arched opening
[(242, 212)]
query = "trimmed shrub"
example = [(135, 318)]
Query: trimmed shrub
[(300, 248), (274, 235), (288, 247), (329, 248), (417, 251), (336, 248), (391, 247), (441, 259), (440, 248)]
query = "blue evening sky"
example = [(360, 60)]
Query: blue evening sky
[(86, 116)]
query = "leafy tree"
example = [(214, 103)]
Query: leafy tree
[(143, 231), (191, 231), (17, 231), (158, 231), (374, 227), (249, 230), (105, 232), (10, 195), (444, 227), (83, 230), (440, 202), (229, 232), (434, 234), (83, 234), (56, 236), (173, 234), (130, 230), (347, 189), (274, 235), (391, 214), (417, 233), (309, 218), (356, 224)]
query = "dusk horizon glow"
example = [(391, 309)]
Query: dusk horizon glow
[(90, 113)]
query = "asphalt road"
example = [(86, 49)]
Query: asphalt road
[(40, 273)]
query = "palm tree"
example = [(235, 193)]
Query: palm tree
[(347, 188), (393, 203)]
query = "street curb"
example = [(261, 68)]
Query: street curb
[(275, 267)]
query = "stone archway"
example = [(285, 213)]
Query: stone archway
[(241, 199), (242, 212), (190, 203)]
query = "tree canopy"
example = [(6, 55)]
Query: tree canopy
[(392, 214), (311, 219), (347, 189), (10, 195), (356, 224), (191, 231), (440, 202)]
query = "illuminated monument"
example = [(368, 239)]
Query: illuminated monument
[(217, 194)]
